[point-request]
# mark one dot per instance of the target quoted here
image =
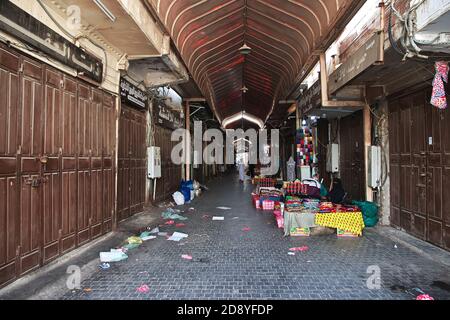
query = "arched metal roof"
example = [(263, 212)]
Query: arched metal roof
[(283, 35)]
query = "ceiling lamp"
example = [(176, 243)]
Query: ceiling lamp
[(244, 89), (245, 50)]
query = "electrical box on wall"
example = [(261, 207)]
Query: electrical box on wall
[(374, 174), (333, 158), (154, 162)]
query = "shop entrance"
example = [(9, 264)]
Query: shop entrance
[(420, 168), (171, 173), (132, 162), (352, 155), (56, 164)]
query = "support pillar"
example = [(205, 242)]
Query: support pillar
[(187, 140), (367, 144)]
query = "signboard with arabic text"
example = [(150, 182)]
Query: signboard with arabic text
[(132, 95), (167, 118)]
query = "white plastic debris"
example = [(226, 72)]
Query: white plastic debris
[(223, 208), (218, 218), (148, 238), (178, 197), (177, 236), (113, 256)]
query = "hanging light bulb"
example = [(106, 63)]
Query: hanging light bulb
[(244, 89), (245, 50)]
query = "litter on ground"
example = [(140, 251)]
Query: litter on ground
[(218, 218), (180, 225), (143, 289), (299, 249), (246, 229), (104, 266), (173, 215), (113, 256), (177, 236), (424, 297), (155, 230), (291, 253), (170, 222), (162, 234), (148, 238), (223, 208), (134, 240), (131, 246), (186, 257)]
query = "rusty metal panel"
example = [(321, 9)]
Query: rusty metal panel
[(57, 145), (132, 162), (32, 112), (419, 148), (9, 186), (108, 149), (171, 173)]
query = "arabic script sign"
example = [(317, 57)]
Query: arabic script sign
[(23, 26), (167, 117), (132, 95)]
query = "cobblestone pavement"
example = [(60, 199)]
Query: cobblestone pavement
[(232, 264)]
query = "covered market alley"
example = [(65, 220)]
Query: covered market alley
[(246, 257), (240, 149)]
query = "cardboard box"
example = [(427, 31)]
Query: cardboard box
[(346, 234), (300, 232)]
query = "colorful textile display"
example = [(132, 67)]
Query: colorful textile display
[(347, 221), (438, 97), (305, 148), (293, 188)]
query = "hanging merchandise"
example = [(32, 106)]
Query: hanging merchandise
[(305, 148), (438, 97), (291, 170)]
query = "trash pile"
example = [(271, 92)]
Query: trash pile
[(134, 242), (188, 191)]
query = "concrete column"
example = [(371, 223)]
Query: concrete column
[(187, 140), (367, 144)]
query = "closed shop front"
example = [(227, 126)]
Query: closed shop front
[(165, 122), (420, 167), (57, 144), (352, 155), (131, 152)]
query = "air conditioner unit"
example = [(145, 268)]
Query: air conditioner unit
[(374, 174), (154, 162), (333, 158)]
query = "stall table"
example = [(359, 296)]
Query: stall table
[(348, 221)]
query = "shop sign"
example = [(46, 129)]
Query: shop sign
[(23, 26), (132, 95), (310, 99), (363, 58), (166, 117)]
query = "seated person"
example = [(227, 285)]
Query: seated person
[(337, 192)]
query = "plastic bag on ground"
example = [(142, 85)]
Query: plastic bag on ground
[(113, 256), (171, 214)]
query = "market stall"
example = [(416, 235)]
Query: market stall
[(298, 210), (301, 215)]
